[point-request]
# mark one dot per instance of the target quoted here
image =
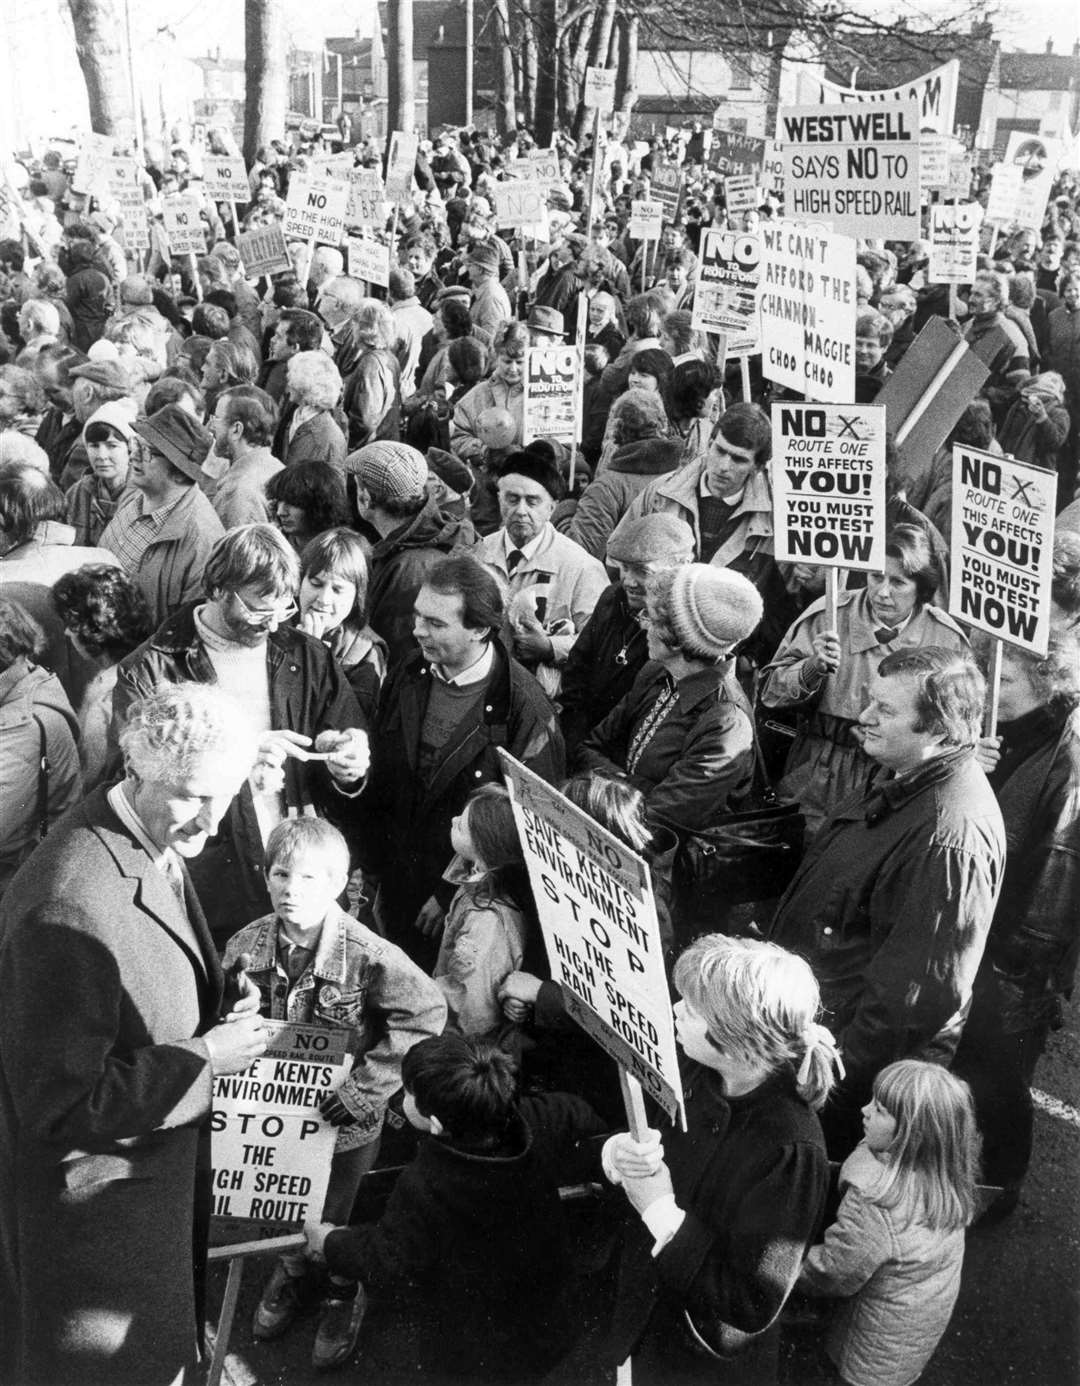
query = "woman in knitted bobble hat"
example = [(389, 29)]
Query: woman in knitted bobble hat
[(684, 733)]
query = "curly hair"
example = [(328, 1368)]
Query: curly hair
[(20, 634), (104, 609), (177, 729), (313, 379)]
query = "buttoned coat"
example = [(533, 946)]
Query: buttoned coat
[(105, 1087)]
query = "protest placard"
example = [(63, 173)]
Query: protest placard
[(271, 1148), (959, 184), (1037, 161), (598, 917), (772, 171), (854, 166), (225, 179), (183, 225), (807, 307), (538, 166), (828, 475), (401, 165), (725, 294), (519, 203), (599, 89), (262, 250), (367, 198), (551, 394), (646, 220), (315, 209), (935, 92), (369, 260), (934, 153), (665, 187), (1001, 551), (1004, 195), (88, 177), (732, 153), (741, 193), (954, 242)]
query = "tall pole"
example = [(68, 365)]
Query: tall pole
[(470, 54)]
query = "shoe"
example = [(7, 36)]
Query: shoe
[(278, 1306), (339, 1328)]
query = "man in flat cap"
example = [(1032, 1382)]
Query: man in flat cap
[(490, 306)]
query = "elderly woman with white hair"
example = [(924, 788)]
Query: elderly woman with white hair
[(313, 434), (39, 326), (373, 387), (22, 400)]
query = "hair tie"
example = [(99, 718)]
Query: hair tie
[(818, 1036)]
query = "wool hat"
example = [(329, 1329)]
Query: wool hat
[(538, 467), (651, 537), (390, 471), (119, 414), (450, 470), (484, 254), (711, 609), (107, 372), (179, 437), (546, 320), (457, 293), (136, 292)]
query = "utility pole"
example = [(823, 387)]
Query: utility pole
[(470, 54)]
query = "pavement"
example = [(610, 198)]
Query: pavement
[(1017, 1321)]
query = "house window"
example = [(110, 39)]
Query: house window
[(741, 76), (737, 126)]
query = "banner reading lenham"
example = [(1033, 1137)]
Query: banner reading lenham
[(828, 474), (598, 916), (1002, 545), (271, 1148)]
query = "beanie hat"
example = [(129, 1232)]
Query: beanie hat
[(651, 537), (544, 470), (710, 609), (484, 254), (450, 470), (118, 414), (389, 470), (639, 413), (135, 292)]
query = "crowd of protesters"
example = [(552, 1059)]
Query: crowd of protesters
[(281, 573)]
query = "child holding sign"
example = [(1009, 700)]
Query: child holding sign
[(314, 964)]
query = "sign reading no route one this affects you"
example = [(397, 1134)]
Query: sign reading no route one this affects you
[(271, 1148), (598, 917), (828, 475), (854, 166), (1002, 545), (807, 307)]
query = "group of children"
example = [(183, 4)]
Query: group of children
[(473, 1231)]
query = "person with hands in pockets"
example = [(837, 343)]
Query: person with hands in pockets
[(314, 964), (727, 1209)]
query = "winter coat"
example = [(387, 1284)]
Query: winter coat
[(88, 509), (606, 500), (318, 439), (26, 693), (483, 941), (356, 982), (308, 694), (892, 905), (362, 655), (1063, 350), (88, 295), (50, 554), (371, 397), (607, 656), (399, 564), (899, 1280), (105, 1092), (1021, 437), (240, 496), (697, 761)]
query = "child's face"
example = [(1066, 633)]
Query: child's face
[(412, 1115), (461, 838), (303, 888), (879, 1127), (329, 594)]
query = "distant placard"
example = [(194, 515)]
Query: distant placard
[(599, 89), (94, 150), (665, 187), (1037, 160), (401, 165), (597, 912), (959, 185), (226, 179), (934, 151), (519, 203), (933, 91), (773, 167), (1001, 553), (828, 475), (539, 166), (646, 220), (183, 225), (725, 295), (315, 209), (369, 260), (271, 1148), (954, 242), (262, 250), (367, 198), (1004, 196), (741, 193), (732, 153), (854, 166), (807, 307), (551, 394)]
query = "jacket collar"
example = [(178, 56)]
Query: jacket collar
[(892, 794), (331, 955)]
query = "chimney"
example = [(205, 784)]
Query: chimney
[(1049, 45)]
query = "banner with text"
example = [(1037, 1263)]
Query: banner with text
[(935, 92), (226, 180), (597, 912), (856, 167), (551, 394), (954, 242), (828, 475), (807, 308), (1001, 554), (271, 1148), (315, 209), (732, 153), (725, 294)]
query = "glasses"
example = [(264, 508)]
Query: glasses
[(266, 618)]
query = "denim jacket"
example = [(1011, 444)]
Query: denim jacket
[(357, 982)]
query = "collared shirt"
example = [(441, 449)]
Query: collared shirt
[(132, 530), (477, 671), (526, 550)]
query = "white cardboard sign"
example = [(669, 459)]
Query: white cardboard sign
[(183, 225), (599, 89), (226, 180), (315, 209), (369, 260), (551, 393), (725, 295), (954, 242), (646, 220)]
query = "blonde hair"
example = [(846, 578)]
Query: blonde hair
[(760, 1003), (932, 1161)]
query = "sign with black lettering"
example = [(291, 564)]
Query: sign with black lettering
[(401, 165), (1037, 159), (369, 260), (807, 308), (183, 225), (518, 202), (598, 916), (934, 92), (828, 475), (262, 250), (551, 394), (1001, 554), (954, 242), (271, 1148), (725, 295), (741, 193), (315, 209), (226, 180), (599, 92), (646, 220), (665, 187), (854, 166), (732, 153)]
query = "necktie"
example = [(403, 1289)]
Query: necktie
[(513, 558), (884, 634)]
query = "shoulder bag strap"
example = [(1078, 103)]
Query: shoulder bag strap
[(42, 814)]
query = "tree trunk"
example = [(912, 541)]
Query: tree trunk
[(505, 103), (402, 100), (626, 74), (528, 66), (101, 56), (265, 76), (565, 80), (599, 43), (546, 68), (780, 40)]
